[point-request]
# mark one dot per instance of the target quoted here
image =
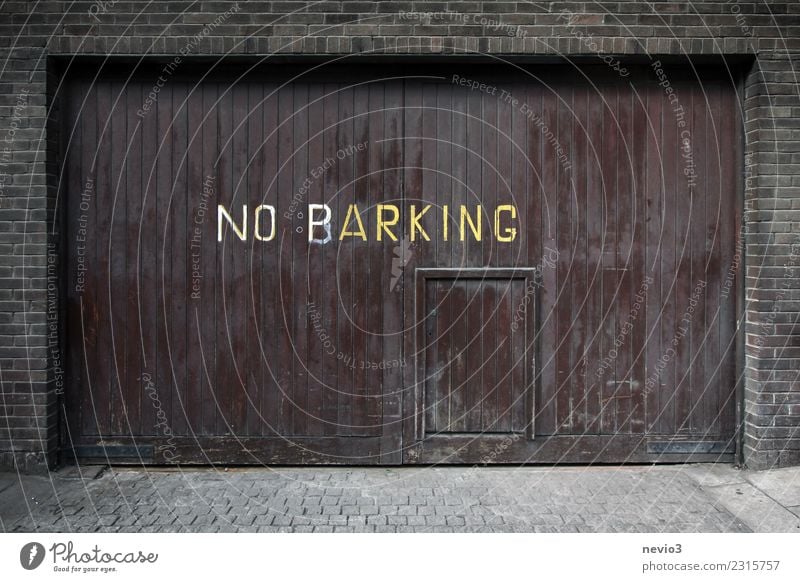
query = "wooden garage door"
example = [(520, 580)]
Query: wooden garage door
[(602, 330), (188, 348), (626, 196)]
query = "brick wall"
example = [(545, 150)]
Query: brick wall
[(772, 282), (33, 33)]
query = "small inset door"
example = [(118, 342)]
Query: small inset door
[(474, 352)]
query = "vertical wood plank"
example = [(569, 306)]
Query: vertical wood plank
[(344, 266), (670, 257), (595, 220), (473, 381), (200, 223), (253, 306), (404, 261), (393, 378), (329, 254), (732, 260), (375, 180), (209, 317), (546, 111), (117, 257), (315, 285), (365, 289), (655, 218), (608, 413), (563, 211), (298, 316), (686, 207), (626, 216), (518, 192), (422, 252), (131, 382), (271, 321), (101, 322), (286, 288), (458, 370), (180, 265), (227, 383), (639, 333), (78, 172), (579, 347), (150, 282), (711, 267)]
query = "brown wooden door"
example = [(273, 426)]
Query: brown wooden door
[(186, 348), (626, 197), (602, 330)]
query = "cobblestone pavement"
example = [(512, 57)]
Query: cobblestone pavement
[(428, 499)]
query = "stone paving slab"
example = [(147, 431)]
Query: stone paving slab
[(782, 485), (419, 499), (767, 501)]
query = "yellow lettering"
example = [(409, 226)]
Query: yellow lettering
[(476, 230), (415, 225), (352, 210), (384, 224), (510, 233)]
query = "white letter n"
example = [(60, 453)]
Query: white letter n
[(221, 212)]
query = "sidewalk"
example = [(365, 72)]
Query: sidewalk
[(690, 498)]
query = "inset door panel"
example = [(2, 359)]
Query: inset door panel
[(474, 351)]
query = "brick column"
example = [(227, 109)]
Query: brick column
[(28, 416), (772, 347)]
